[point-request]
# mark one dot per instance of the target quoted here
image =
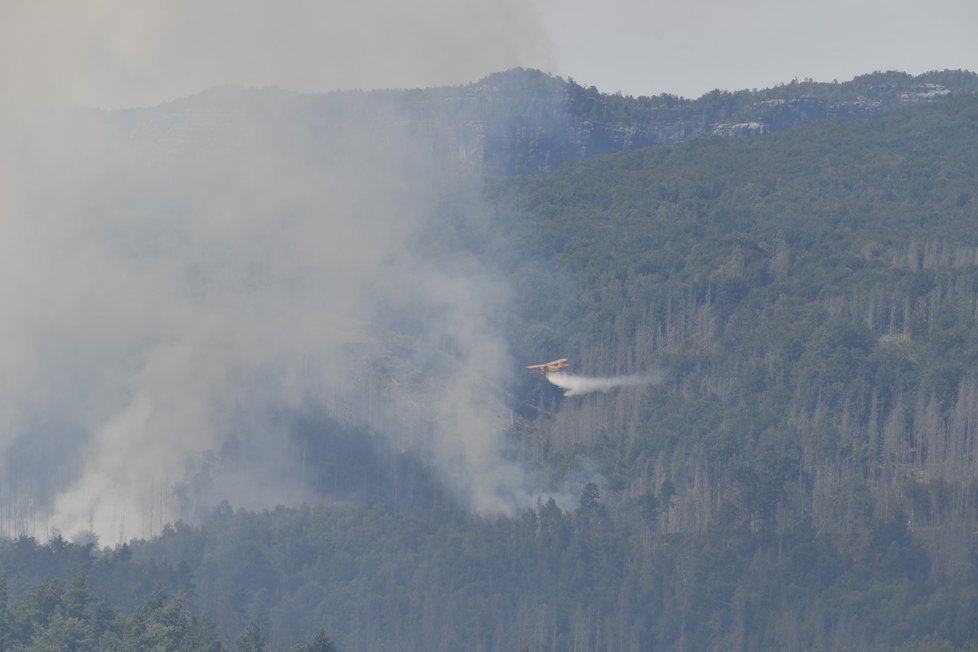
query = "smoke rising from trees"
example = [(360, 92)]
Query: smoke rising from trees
[(177, 280)]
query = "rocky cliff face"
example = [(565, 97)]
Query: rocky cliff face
[(581, 122), (524, 122)]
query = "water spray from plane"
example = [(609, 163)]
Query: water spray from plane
[(574, 385)]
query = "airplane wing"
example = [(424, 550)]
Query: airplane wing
[(549, 367)]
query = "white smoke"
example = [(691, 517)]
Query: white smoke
[(183, 300), (574, 385)]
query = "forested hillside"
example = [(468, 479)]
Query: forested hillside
[(804, 477), (524, 122), (59, 615), (531, 122), (813, 297)]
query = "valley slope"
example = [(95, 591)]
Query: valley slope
[(805, 477)]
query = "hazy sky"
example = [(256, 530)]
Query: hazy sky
[(117, 52), (691, 47)]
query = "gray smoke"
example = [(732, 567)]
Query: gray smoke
[(174, 279)]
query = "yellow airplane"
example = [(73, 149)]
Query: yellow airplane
[(549, 367)]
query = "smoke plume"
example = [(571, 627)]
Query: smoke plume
[(176, 280), (574, 385)]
